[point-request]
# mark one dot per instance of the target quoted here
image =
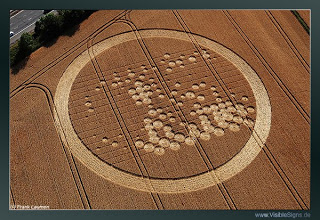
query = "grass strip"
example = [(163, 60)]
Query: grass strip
[(302, 22)]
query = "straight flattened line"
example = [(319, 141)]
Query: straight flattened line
[(82, 186), (269, 68), (152, 194), (52, 108), (11, 198), (301, 205), (288, 41), (56, 60), (180, 91), (198, 47), (19, 151), (162, 82), (139, 62), (52, 179), (164, 76), (281, 172), (152, 63), (93, 58)]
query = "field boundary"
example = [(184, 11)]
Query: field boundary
[(63, 56), (288, 40), (301, 21)]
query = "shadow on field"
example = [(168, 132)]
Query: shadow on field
[(70, 32), (16, 68)]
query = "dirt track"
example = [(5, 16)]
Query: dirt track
[(179, 116)]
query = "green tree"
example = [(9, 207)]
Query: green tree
[(48, 27), (13, 54), (25, 46), (71, 17)]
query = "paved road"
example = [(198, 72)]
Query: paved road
[(24, 21)]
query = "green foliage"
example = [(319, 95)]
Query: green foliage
[(48, 28), (25, 46), (13, 53), (71, 17), (302, 22)]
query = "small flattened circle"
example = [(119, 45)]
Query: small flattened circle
[(174, 145), (159, 151)]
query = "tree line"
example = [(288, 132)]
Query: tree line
[(47, 28)]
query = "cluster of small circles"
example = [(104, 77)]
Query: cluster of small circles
[(144, 68), (155, 143), (192, 95), (216, 93), (173, 63), (162, 115), (158, 147), (117, 80), (205, 55), (179, 61), (106, 140), (172, 139), (219, 99), (196, 86), (225, 114), (141, 93), (194, 131), (89, 104), (131, 74)]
